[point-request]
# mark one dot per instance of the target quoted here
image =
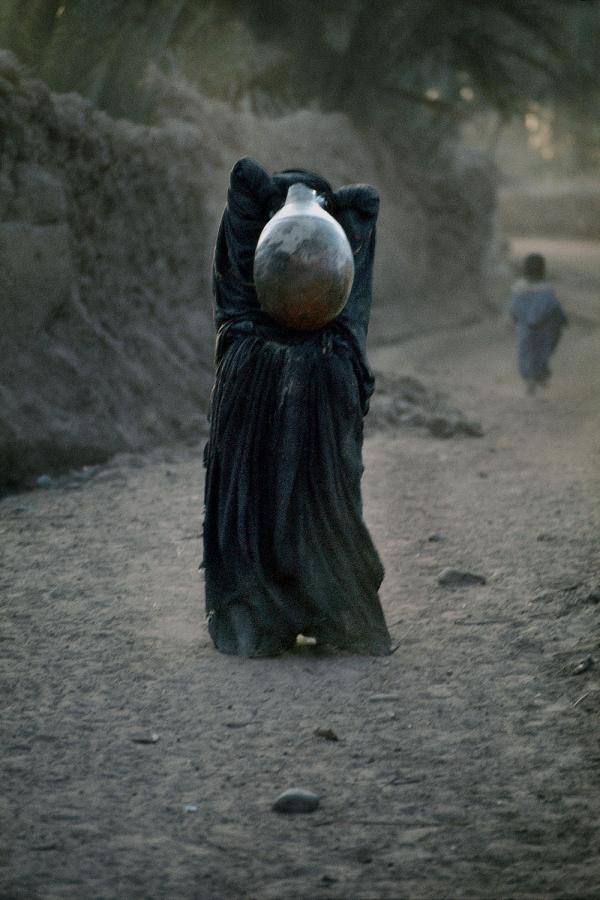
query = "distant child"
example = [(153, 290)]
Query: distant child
[(539, 320)]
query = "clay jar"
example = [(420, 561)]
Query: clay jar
[(303, 266)]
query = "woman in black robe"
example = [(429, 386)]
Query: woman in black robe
[(286, 551)]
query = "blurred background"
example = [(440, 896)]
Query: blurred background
[(120, 121)]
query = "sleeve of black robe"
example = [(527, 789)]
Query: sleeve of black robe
[(357, 208), (251, 200)]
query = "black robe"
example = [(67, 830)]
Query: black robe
[(286, 551)]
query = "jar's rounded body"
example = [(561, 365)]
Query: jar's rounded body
[(303, 264)]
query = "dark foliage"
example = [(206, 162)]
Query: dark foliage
[(400, 66)]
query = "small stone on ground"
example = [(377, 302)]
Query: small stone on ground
[(296, 800), (451, 577)]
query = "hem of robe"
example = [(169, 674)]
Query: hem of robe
[(234, 633)]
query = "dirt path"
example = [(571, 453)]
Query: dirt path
[(467, 763)]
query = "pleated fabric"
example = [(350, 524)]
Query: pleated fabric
[(286, 550)]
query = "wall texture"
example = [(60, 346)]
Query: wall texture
[(106, 236)]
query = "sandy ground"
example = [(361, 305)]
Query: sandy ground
[(137, 762)]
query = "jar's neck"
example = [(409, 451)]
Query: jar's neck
[(301, 193)]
